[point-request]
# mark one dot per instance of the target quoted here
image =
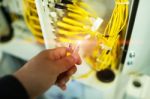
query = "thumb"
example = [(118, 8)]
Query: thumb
[(66, 63)]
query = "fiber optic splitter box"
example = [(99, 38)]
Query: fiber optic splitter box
[(112, 37)]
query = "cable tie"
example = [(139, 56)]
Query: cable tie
[(105, 47), (122, 3)]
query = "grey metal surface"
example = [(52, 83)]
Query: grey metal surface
[(139, 44)]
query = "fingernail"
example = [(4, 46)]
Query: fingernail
[(64, 88), (63, 82), (75, 58), (71, 72)]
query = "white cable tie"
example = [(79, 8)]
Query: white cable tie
[(97, 23), (122, 3), (105, 47)]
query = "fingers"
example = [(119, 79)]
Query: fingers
[(62, 86), (78, 58), (64, 78), (62, 82), (62, 51), (66, 74), (71, 71), (66, 63), (59, 53)]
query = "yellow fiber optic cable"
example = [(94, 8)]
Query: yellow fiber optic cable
[(72, 22), (31, 19), (77, 23)]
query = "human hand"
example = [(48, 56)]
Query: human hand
[(46, 69)]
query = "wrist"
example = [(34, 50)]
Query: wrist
[(25, 81)]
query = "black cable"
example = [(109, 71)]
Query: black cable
[(130, 29), (60, 6), (8, 21), (66, 2)]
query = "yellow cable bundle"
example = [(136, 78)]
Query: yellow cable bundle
[(31, 19), (115, 26), (77, 23)]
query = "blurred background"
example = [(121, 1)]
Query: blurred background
[(20, 41)]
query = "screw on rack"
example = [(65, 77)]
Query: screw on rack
[(130, 63), (132, 54)]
